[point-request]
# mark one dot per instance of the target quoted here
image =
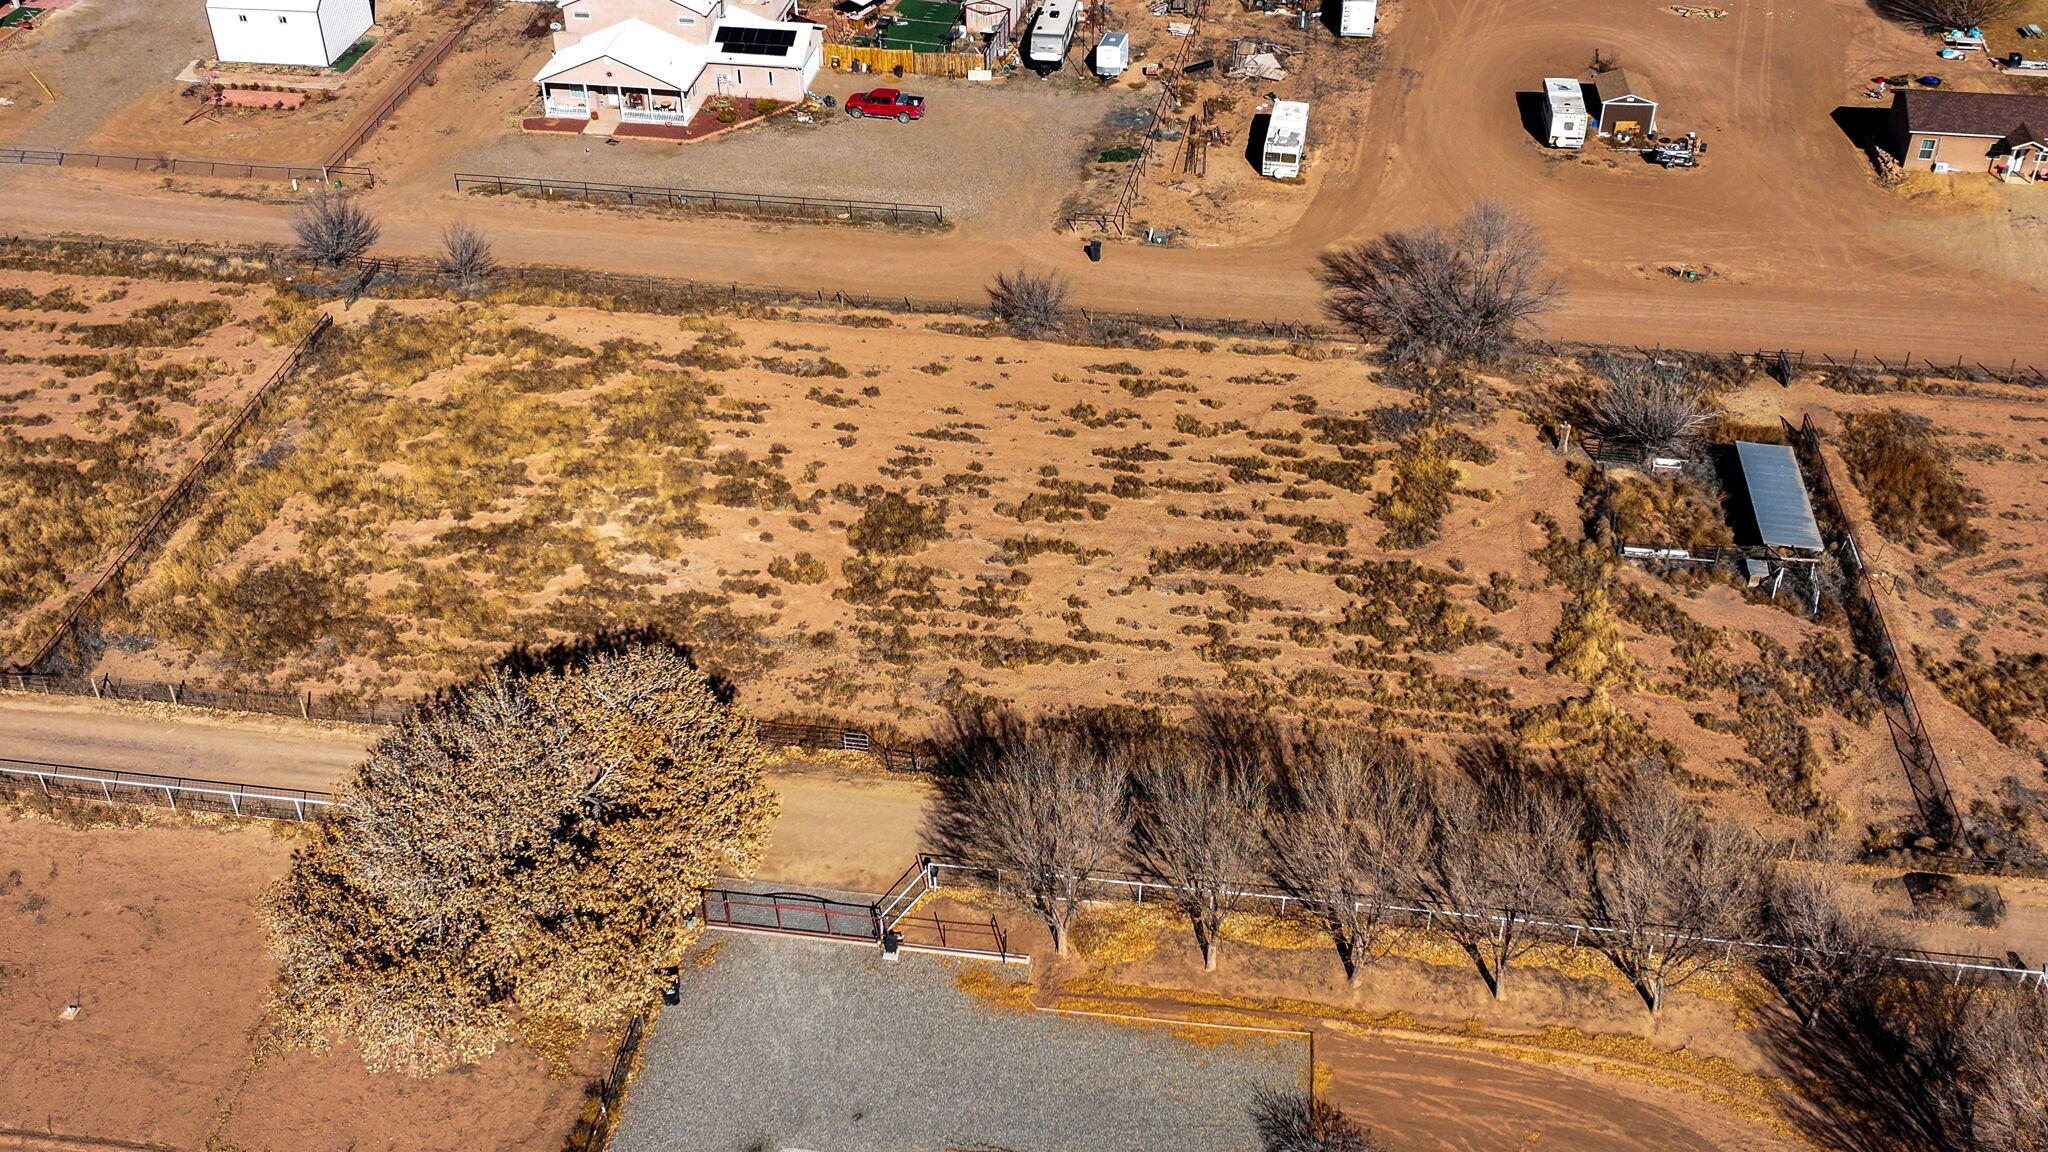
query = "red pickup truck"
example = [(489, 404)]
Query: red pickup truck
[(886, 102)]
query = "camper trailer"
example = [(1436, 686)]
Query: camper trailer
[(1356, 17), (1565, 104), (1286, 138), (1113, 55), (1051, 35)]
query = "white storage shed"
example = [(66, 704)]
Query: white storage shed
[(307, 33)]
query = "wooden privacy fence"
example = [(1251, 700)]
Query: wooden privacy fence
[(745, 203), (187, 166), (174, 502), (843, 57)]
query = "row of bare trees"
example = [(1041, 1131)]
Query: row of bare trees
[(336, 230), (1366, 836)]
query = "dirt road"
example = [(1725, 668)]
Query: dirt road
[(841, 827)]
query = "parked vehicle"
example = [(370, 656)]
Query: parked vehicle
[(1113, 55), (1357, 17), (886, 102), (1565, 105), (1052, 35), (1286, 140)]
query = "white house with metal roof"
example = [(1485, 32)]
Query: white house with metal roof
[(306, 33), (658, 61)]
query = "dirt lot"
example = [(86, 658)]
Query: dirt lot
[(114, 70), (103, 399), (876, 524), (152, 932)]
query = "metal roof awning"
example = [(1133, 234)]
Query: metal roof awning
[(1777, 496)]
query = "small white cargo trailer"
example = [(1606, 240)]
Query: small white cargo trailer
[(1565, 107), (1113, 55)]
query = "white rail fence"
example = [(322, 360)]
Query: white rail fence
[(1117, 887), (180, 793)]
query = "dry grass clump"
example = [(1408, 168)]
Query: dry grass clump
[(1660, 513), (163, 325), (1908, 476), (1231, 558), (1405, 606), (892, 524), (2000, 695)]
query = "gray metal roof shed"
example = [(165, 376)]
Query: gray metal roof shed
[(1777, 496)]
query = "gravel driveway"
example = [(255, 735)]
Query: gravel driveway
[(784, 1043)]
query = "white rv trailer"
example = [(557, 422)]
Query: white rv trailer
[(1051, 35), (1286, 137), (1357, 17), (1565, 105)]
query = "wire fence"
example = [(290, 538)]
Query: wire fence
[(1127, 887), (305, 704), (593, 1130), (179, 793), (187, 166), (1782, 363), (703, 199), (419, 71), (176, 501), (1914, 748)]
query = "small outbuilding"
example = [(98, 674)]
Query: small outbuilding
[(302, 33), (1626, 104), (2001, 132)]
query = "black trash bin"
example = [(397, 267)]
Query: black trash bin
[(1094, 249)]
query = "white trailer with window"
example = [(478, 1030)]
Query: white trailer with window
[(1357, 17), (1052, 34), (1565, 110), (1286, 139)]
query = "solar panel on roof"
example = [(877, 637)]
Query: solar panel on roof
[(756, 41), (1777, 496)]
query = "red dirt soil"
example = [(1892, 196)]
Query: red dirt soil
[(153, 933)]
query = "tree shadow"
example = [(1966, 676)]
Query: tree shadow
[(1878, 1070), (550, 659)]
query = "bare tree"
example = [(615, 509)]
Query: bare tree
[(465, 254), (1825, 951), (1349, 832), (1456, 293), (1503, 844), (1197, 829), (1943, 15), (2010, 1054), (334, 229), (1047, 810), (1669, 887), (1646, 405), (1028, 303), (1289, 1120)]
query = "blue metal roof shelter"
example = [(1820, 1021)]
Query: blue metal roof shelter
[(1777, 496)]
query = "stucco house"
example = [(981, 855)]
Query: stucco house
[(1999, 132), (307, 33), (658, 61)]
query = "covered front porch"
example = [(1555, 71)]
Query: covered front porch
[(630, 105), (2024, 163)]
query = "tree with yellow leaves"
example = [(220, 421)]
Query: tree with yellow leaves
[(524, 853)]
